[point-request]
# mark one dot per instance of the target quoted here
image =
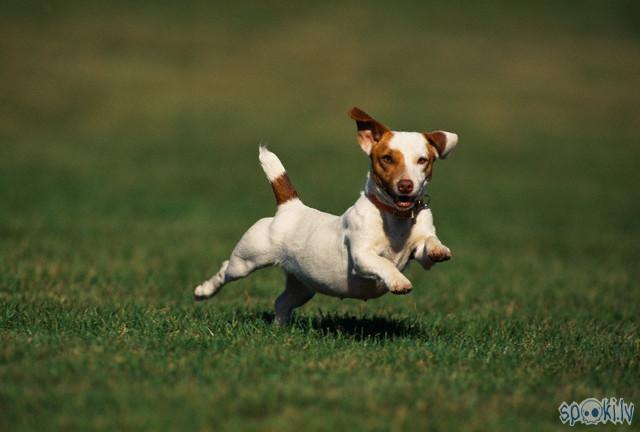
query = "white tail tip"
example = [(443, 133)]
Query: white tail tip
[(271, 165)]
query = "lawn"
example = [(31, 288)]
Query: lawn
[(128, 170)]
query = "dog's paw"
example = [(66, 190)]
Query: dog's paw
[(439, 253), (204, 291), (401, 286)]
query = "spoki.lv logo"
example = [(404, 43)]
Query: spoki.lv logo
[(593, 411)]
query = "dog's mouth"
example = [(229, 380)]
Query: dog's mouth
[(404, 201)]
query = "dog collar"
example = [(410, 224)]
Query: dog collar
[(412, 213)]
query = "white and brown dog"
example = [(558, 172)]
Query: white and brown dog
[(362, 253)]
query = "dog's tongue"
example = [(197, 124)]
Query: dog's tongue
[(404, 204)]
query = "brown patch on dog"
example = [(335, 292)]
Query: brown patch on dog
[(433, 155), (283, 189), (438, 140), (385, 171), (365, 122)]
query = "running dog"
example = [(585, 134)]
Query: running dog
[(362, 253)]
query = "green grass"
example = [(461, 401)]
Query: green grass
[(128, 169)]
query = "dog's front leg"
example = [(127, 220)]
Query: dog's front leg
[(369, 265), (431, 251)]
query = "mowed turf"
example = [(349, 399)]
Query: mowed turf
[(128, 170)]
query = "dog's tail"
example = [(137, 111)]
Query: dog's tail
[(280, 183)]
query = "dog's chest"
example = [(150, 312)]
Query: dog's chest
[(395, 243)]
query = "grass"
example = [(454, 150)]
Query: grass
[(128, 169)]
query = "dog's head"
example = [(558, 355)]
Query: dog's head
[(401, 162)]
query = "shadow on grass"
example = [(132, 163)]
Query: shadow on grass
[(356, 327)]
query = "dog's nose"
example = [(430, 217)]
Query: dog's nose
[(405, 186)]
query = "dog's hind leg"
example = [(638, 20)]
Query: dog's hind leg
[(253, 251), (295, 295)]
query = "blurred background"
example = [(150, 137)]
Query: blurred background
[(125, 115), (156, 109), (129, 135)]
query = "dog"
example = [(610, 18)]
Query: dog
[(362, 253)]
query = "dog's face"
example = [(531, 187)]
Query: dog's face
[(401, 162)]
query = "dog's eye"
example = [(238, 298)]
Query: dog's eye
[(387, 159), (423, 160)]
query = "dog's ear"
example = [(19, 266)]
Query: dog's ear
[(369, 130), (443, 142)]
